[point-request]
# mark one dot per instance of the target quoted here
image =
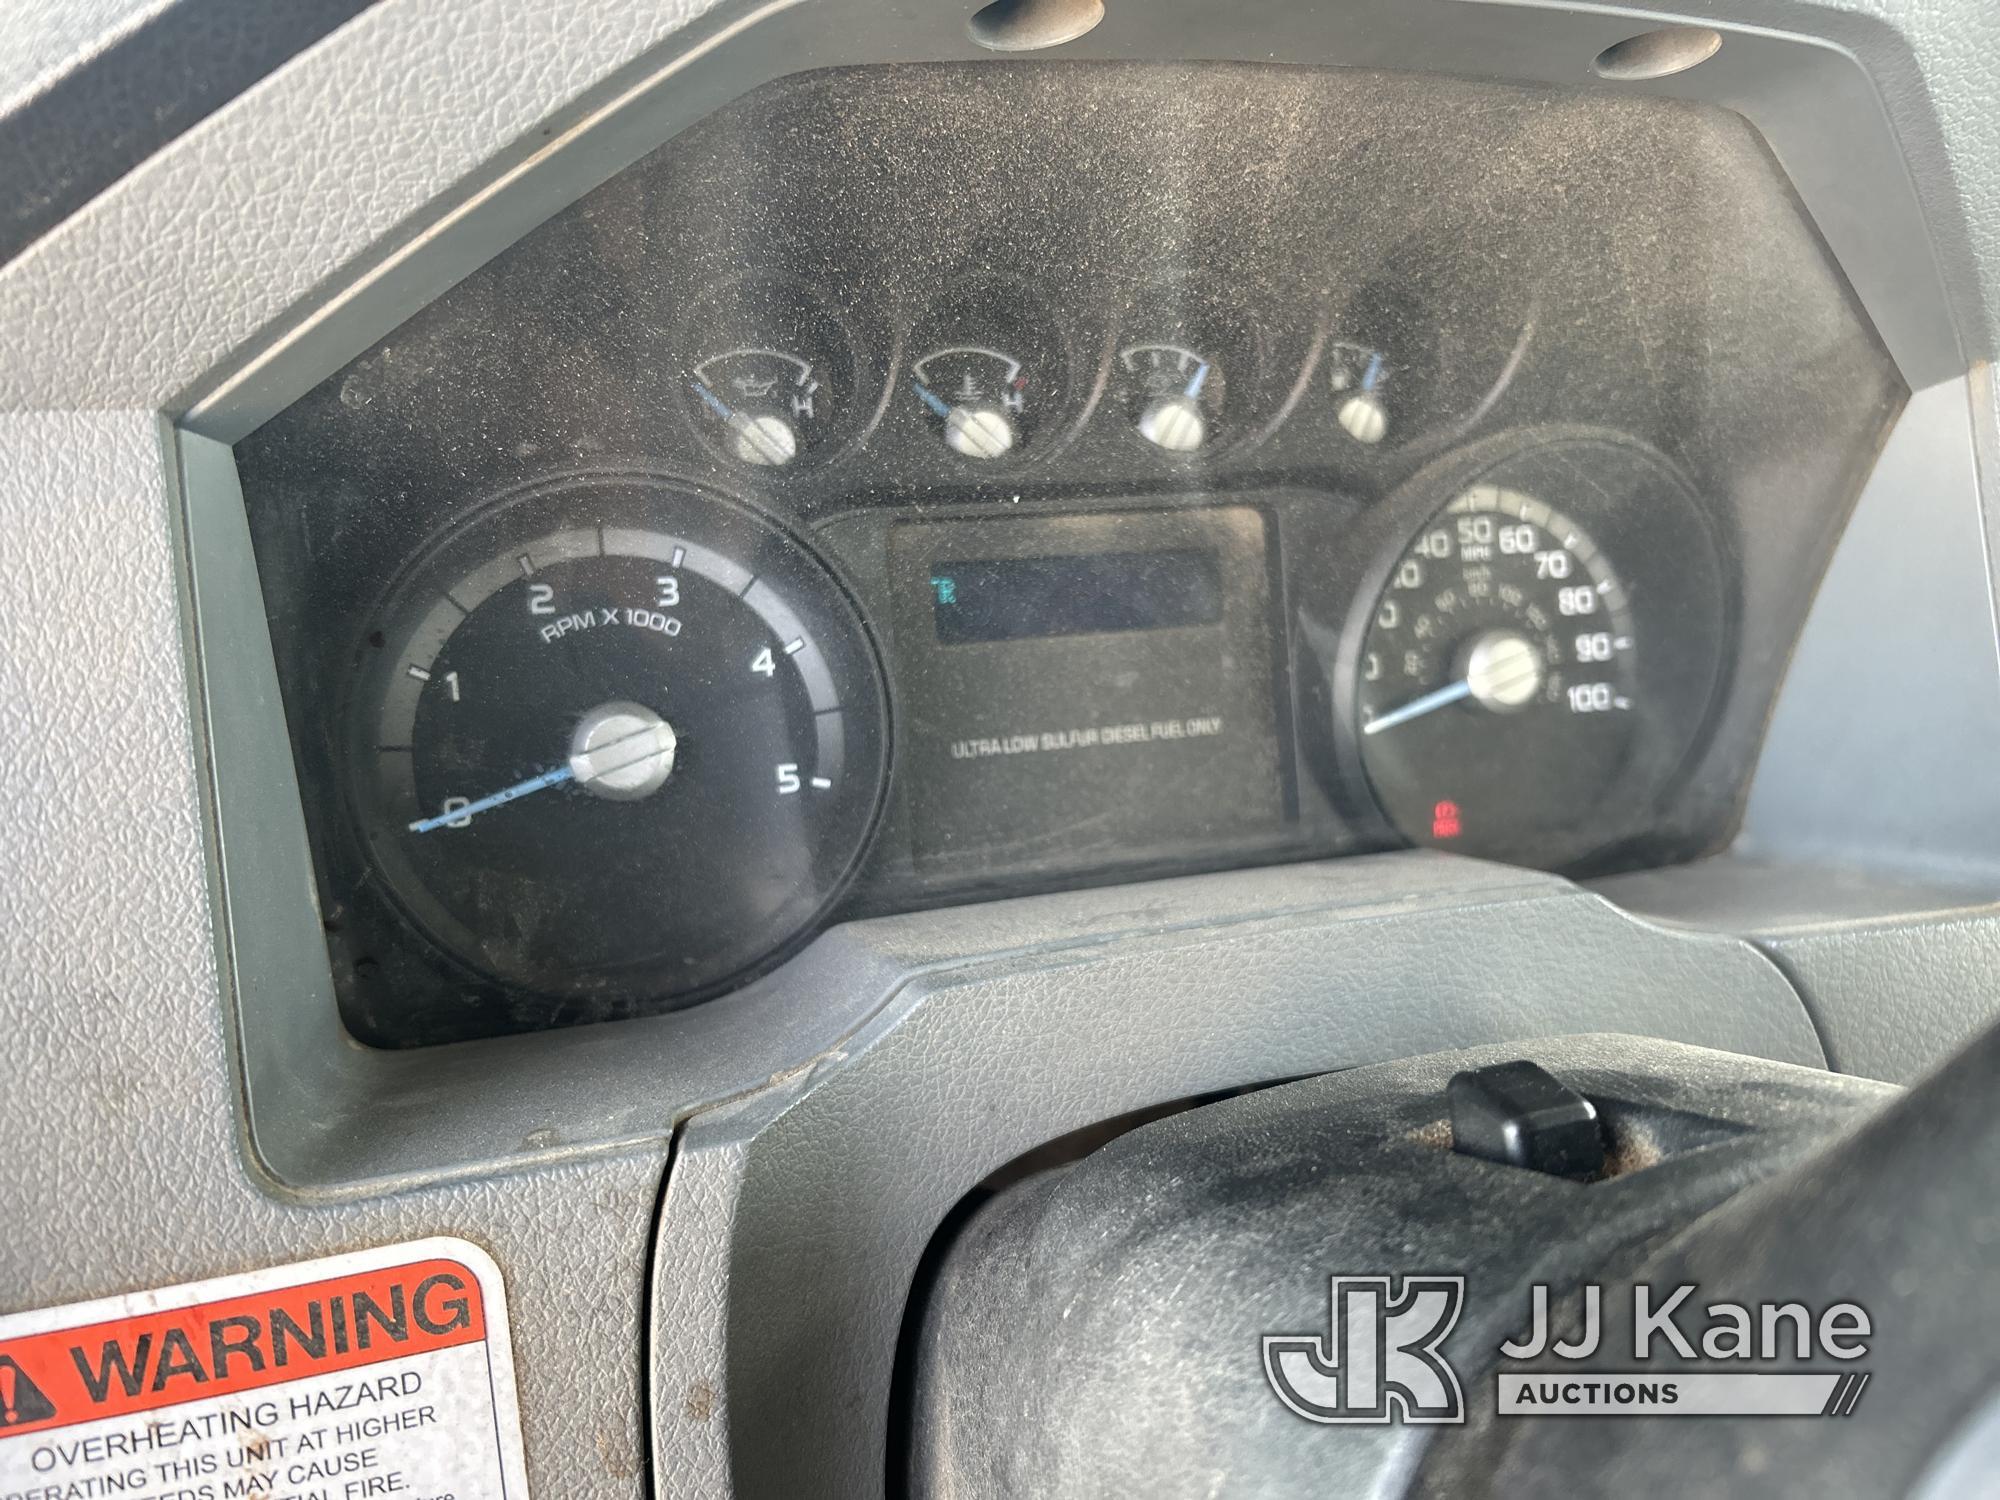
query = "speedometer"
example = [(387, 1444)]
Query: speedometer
[(617, 739), (1498, 676), (1539, 652)]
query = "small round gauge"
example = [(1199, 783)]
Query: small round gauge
[(1512, 695), (1175, 395), (617, 739), (1425, 348), (772, 380), (989, 373), (1187, 373), (1359, 378)]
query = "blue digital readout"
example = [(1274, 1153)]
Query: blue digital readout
[(1097, 593)]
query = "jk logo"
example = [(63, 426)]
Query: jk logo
[(1380, 1360)]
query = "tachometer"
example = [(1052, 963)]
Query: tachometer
[(617, 738)]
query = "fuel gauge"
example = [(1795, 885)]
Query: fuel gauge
[(1176, 394), (772, 378)]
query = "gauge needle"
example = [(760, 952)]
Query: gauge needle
[(1416, 708), (513, 793), (931, 399), (590, 765), (1193, 391), (766, 440)]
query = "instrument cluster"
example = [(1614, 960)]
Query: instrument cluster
[(833, 516)]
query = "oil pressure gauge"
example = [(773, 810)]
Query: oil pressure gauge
[(772, 380), (616, 739)]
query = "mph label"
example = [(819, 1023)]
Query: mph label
[(385, 1373)]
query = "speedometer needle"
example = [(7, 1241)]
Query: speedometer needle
[(1416, 708)]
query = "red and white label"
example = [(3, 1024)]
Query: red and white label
[(387, 1374)]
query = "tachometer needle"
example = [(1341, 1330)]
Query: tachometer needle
[(1416, 708), (1193, 391), (642, 739), (501, 798)]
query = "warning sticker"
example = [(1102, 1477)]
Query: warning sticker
[(386, 1373)]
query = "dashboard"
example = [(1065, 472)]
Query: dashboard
[(831, 516), (1136, 774)]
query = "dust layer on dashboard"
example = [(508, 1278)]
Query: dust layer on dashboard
[(924, 484)]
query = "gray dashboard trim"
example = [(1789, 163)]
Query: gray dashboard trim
[(1897, 674), (836, 1182), (120, 1112), (326, 1118), (1868, 865)]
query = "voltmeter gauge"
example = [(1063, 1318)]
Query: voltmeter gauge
[(1359, 378), (617, 738)]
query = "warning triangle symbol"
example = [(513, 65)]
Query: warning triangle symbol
[(21, 1400)]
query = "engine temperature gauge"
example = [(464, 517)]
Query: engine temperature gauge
[(988, 371), (979, 397)]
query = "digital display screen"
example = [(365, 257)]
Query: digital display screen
[(1083, 688), (1101, 593)]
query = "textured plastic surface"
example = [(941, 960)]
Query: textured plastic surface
[(123, 1159), (1891, 1216), (106, 83), (1093, 1006), (1095, 1331)]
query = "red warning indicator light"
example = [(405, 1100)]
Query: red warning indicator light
[(1444, 821)]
